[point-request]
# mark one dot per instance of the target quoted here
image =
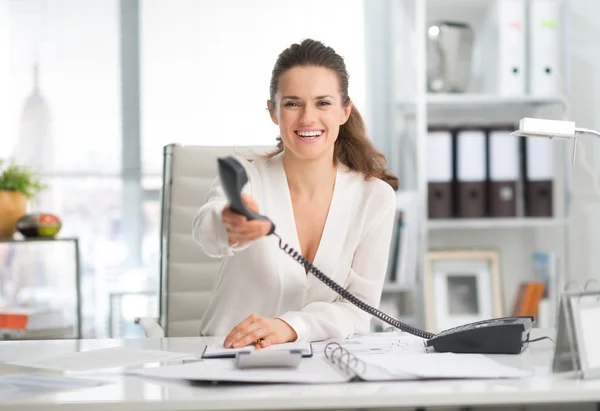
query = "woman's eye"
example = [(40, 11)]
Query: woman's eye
[(291, 104), (324, 103)]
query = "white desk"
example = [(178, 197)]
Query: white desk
[(130, 393)]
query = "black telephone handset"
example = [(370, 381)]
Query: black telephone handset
[(233, 178), (496, 336)]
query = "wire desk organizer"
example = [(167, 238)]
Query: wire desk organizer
[(577, 349)]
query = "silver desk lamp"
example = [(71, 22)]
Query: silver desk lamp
[(566, 130)]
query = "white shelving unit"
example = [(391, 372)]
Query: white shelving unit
[(465, 101), (402, 110), (494, 223)]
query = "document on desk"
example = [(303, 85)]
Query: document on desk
[(439, 366), (366, 367), (105, 358), (397, 343), (16, 386), (218, 351), (309, 371)]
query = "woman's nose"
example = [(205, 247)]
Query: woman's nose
[(308, 116)]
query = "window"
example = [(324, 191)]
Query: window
[(60, 113), (62, 54)]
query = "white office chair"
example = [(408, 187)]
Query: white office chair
[(187, 273)]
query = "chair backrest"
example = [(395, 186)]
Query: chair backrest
[(187, 274)]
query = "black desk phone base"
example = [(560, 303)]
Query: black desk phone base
[(507, 335)]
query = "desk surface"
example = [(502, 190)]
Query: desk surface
[(131, 393)]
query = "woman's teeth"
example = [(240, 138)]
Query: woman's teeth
[(309, 134)]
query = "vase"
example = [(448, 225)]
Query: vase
[(12, 207)]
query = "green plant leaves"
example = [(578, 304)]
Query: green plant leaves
[(19, 178)]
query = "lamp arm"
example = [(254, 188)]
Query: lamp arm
[(582, 158), (587, 131)]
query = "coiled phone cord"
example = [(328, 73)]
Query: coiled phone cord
[(348, 296)]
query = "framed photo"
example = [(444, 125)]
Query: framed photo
[(461, 287)]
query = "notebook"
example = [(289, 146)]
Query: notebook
[(339, 365), (218, 351)]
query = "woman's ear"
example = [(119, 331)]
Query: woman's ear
[(347, 111), (271, 108)]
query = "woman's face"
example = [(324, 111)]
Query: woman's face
[(309, 111)]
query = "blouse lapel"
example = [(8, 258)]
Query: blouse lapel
[(282, 213), (332, 224)]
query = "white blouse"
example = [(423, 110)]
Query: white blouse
[(259, 278)]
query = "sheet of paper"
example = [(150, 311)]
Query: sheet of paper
[(441, 365), (310, 371), (398, 343), (218, 351), (16, 386), (105, 358)]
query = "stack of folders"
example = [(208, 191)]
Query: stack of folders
[(477, 173), (340, 362), (522, 48)]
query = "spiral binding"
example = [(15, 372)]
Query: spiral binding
[(348, 296), (586, 289), (344, 359)]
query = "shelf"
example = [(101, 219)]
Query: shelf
[(493, 223), (396, 288), (473, 100), (19, 239)]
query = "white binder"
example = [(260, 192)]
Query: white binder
[(504, 45), (504, 156), (545, 73), (540, 159), (471, 158), (439, 156)]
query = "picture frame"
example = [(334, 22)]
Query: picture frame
[(461, 287)]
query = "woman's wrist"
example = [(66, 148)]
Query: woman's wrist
[(288, 333)]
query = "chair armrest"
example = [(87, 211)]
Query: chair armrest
[(151, 327)]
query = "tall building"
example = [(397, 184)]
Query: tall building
[(34, 146), (34, 150)]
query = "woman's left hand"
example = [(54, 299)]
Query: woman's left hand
[(260, 331)]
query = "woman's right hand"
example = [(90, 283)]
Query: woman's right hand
[(240, 230)]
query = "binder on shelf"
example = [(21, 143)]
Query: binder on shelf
[(539, 176), (439, 174), (504, 174), (471, 174), (545, 269), (504, 43), (545, 74), (577, 350), (528, 299), (395, 247), (410, 204)]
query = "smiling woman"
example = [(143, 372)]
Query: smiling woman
[(327, 189), (308, 119), (309, 102)]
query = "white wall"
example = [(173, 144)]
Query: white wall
[(206, 65), (584, 57)]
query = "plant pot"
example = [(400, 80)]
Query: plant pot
[(12, 207)]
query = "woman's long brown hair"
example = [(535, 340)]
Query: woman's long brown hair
[(352, 147)]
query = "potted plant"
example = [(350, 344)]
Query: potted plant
[(17, 185)]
